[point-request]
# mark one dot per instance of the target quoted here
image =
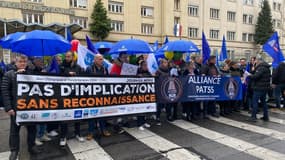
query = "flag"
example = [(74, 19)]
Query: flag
[(166, 40), (187, 58), (3, 66), (68, 35), (151, 63), (223, 54), (217, 59), (53, 68), (90, 45), (85, 56), (206, 50), (247, 68), (272, 48), (155, 45), (177, 30)]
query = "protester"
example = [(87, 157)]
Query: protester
[(70, 68), (97, 68), (9, 98), (163, 71), (260, 85), (235, 71), (198, 60), (41, 128), (210, 69), (278, 83), (249, 90), (190, 108), (243, 64), (116, 70), (174, 71), (225, 106), (143, 71)]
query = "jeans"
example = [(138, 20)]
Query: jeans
[(259, 95), (14, 138), (41, 128), (92, 125)]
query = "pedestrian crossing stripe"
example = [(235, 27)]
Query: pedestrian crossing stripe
[(271, 119), (4, 155), (252, 128), (234, 143), (159, 144), (87, 150)]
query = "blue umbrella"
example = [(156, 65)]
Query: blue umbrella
[(40, 43), (103, 45), (6, 41), (179, 46), (131, 46)]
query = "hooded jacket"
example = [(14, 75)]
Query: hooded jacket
[(278, 76), (261, 78)]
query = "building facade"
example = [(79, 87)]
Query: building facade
[(152, 20)]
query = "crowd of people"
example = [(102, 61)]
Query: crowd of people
[(255, 75)]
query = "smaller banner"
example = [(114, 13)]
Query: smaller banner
[(43, 98), (198, 88)]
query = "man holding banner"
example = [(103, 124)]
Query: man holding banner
[(9, 98), (70, 68)]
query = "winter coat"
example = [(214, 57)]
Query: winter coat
[(261, 78)]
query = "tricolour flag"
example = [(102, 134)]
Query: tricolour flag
[(177, 30), (272, 48)]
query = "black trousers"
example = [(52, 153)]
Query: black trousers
[(64, 129), (14, 138), (159, 108)]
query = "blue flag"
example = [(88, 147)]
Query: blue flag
[(3, 66), (155, 45), (206, 50), (166, 40), (54, 68), (272, 48), (68, 35), (90, 45), (247, 68), (223, 54)]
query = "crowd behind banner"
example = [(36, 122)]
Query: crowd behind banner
[(231, 85)]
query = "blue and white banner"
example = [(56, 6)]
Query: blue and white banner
[(198, 88)]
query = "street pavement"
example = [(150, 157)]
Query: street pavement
[(224, 138)]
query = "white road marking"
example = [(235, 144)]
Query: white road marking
[(5, 155), (158, 144), (271, 119), (87, 150), (234, 143), (252, 128)]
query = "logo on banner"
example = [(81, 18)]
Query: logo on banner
[(66, 115), (34, 116), (171, 89), (24, 116), (88, 59), (54, 115), (93, 112), (85, 113), (78, 114), (231, 88), (45, 115)]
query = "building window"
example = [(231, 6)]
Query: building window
[(176, 5), (115, 7), (231, 16), (147, 11), (276, 6), (176, 20), (248, 2), (37, 18), (147, 28), (247, 19), (214, 34), (247, 37), (276, 23), (279, 7), (231, 36), (118, 26), (35, 1), (79, 20), (193, 10), (193, 32), (78, 3), (214, 13), (261, 3)]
